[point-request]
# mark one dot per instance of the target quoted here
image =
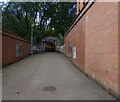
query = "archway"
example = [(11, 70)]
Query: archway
[(50, 44)]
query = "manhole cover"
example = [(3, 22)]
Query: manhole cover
[(49, 88), (17, 93)]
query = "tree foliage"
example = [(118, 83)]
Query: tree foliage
[(19, 16)]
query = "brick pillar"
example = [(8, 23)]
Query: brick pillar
[(79, 5)]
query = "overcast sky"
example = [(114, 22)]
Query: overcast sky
[(4, 0)]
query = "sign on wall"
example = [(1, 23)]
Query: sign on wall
[(74, 52)]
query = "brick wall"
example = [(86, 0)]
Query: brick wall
[(96, 38), (9, 42), (77, 38), (102, 44)]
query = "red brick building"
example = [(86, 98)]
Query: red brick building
[(92, 43), (14, 48)]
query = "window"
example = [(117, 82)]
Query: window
[(70, 50), (79, 7), (18, 50), (84, 2), (74, 52)]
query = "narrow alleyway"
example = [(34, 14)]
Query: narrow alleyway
[(49, 76)]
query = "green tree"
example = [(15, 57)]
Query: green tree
[(19, 16)]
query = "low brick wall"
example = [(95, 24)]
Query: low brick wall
[(95, 37), (14, 48)]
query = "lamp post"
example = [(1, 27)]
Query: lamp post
[(52, 29), (32, 38)]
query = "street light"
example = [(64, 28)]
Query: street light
[(53, 29), (32, 38)]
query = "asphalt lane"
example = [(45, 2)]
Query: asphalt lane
[(48, 76)]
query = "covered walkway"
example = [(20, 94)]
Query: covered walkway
[(49, 76)]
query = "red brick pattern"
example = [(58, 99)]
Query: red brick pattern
[(9, 48), (77, 37), (96, 39), (101, 43)]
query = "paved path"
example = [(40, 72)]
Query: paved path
[(49, 76)]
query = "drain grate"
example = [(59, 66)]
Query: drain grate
[(49, 88)]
